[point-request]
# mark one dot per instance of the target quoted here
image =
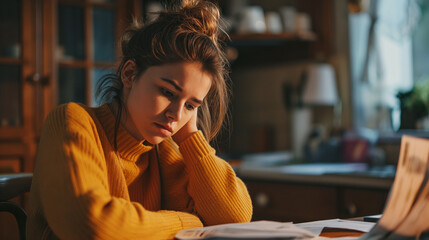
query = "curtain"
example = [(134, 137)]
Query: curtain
[(381, 61)]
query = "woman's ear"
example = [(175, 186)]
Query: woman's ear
[(128, 72)]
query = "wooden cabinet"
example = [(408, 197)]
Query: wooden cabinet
[(18, 102), (18, 95), (356, 202), (292, 202), (302, 202), (51, 52)]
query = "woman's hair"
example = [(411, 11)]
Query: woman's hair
[(187, 31)]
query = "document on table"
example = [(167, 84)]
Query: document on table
[(252, 230), (317, 227), (274, 230)]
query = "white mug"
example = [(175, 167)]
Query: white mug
[(252, 20), (303, 22), (289, 18), (274, 22), (153, 8)]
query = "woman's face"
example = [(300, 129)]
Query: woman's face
[(164, 98)]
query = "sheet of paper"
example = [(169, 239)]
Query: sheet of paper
[(407, 210), (410, 176), (257, 229), (316, 227), (416, 222)]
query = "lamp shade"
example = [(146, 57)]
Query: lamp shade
[(320, 87)]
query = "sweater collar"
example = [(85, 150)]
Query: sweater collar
[(129, 148)]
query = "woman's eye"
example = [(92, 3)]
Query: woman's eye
[(190, 106), (167, 93)]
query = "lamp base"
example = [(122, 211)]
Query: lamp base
[(301, 126)]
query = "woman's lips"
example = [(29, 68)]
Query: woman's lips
[(164, 129)]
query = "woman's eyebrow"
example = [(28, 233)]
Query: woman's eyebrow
[(180, 89), (197, 101), (175, 85)]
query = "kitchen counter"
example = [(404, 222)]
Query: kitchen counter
[(338, 174), (314, 191)]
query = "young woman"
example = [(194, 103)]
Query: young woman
[(140, 165)]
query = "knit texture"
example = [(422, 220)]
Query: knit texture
[(84, 189)]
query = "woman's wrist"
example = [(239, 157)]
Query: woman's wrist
[(180, 137), (196, 147)]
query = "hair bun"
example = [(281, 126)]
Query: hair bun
[(197, 16)]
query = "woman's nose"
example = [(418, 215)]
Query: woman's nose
[(174, 111)]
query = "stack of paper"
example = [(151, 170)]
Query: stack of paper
[(346, 226), (252, 230), (278, 230), (407, 211)]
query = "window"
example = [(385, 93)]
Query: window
[(389, 49)]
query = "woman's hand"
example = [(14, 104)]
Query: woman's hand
[(187, 130)]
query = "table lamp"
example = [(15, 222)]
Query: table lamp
[(319, 88)]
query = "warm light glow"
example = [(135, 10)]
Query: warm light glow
[(320, 86)]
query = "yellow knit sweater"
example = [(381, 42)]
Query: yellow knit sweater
[(83, 189)]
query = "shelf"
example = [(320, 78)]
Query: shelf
[(83, 64), (266, 39), (11, 132), (98, 3), (270, 48), (107, 65), (10, 60), (12, 149), (269, 52), (300, 36), (72, 63)]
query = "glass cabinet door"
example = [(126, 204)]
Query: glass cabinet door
[(71, 42), (17, 147), (10, 64), (71, 85), (103, 37), (10, 95), (86, 49)]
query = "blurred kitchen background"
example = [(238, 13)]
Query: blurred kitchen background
[(314, 82)]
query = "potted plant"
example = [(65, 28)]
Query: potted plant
[(414, 104)]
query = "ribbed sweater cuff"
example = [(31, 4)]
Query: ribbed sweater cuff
[(189, 220), (196, 147)]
